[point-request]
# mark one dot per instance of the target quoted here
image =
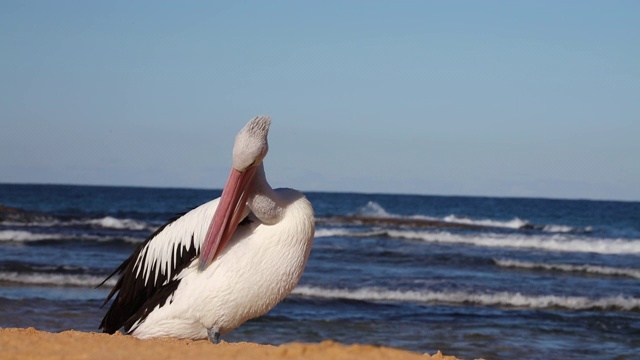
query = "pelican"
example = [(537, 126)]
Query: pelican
[(225, 262)]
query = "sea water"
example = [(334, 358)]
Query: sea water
[(498, 278)]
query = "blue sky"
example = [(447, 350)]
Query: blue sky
[(496, 98)]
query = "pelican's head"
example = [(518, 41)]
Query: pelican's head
[(251, 144), (249, 150)]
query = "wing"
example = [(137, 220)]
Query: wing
[(151, 274)]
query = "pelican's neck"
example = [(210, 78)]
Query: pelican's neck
[(264, 201)]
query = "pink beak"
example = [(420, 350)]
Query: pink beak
[(227, 216)]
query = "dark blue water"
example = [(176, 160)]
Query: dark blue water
[(474, 277)]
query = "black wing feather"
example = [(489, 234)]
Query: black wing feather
[(136, 297)]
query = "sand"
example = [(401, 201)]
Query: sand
[(34, 344)]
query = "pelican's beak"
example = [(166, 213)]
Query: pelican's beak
[(228, 215)]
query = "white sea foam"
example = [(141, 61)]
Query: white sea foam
[(115, 223), (108, 222), (39, 223), (20, 235), (509, 299), (556, 242), (55, 279), (330, 232), (592, 269), (373, 209), (546, 242), (27, 236), (563, 229), (515, 223)]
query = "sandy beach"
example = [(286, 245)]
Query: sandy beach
[(30, 343)]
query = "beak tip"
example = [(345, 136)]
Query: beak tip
[(202, 265)]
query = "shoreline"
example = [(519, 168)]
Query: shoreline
[(19, 343)]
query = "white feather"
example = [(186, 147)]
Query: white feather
[(259, 267), (262, 262), (171, 239)]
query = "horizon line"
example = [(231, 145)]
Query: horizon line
[(333, 191)]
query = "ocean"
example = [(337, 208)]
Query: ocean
[(497, 278)]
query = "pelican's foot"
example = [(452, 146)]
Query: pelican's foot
[(214, 335)]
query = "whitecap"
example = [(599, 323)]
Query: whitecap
[(27, 236), (591, 269), (556, 242), (115, 223), (509, 299), (336, 232), (514, 223), (545, 242), (20, 235), (373, 209), (49, 279)]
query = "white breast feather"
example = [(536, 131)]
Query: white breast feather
[(258, 269)]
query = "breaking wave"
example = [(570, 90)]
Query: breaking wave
[(515, 223), (107, 222), (28, 236), (548, 243), (591, 269), (555, 242), (329, 232), (20, 236), (48, 279), (374, 210), (507, 299), (120, 224)]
